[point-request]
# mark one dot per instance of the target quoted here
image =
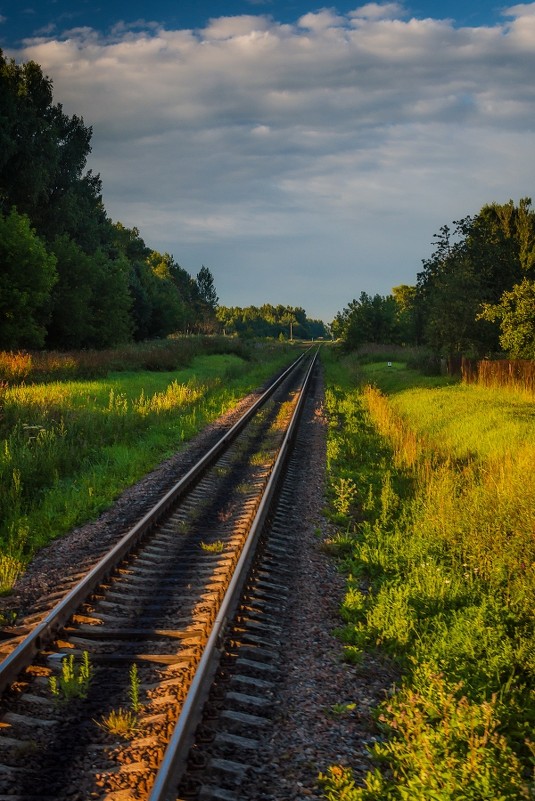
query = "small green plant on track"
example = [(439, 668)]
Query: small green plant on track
[(120, 722), (74, 680), (134, 689), (213, 547), (125, 722), (343, 709)]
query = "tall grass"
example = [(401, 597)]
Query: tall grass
[(517, 374), (442, 579), (158, 355), (68, 448)]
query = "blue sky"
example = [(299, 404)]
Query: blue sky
[(304, 153), (24, 18)]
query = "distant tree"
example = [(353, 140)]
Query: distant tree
[(368, 319), (278, 322), (207, 299), (172, 292), (206, 286), (27, 276)]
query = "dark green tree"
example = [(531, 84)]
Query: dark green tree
[(27, 276), (71, 325), (207, 300)]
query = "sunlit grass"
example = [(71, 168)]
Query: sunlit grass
[(443, 545)]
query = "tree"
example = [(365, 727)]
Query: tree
[(43, 157), (71, 325), (368, 319), (473, 265), (516, 313), (207, 299), (26, 279), (207, 291), (407, 314)]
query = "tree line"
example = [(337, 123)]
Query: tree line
[(279, 322), (474, 296), (70, 277)]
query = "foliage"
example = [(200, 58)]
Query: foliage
[(517, 319)]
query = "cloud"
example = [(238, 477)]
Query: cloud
[(373, 11), (325, 153)]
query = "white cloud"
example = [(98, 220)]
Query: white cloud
[(326, 153), (379, 11)]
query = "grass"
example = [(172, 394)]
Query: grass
[(441, 577), (68, 448)]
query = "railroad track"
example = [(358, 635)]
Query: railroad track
[(140, 638)]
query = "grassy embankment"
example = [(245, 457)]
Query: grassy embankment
[(432, 489), (69, 447)]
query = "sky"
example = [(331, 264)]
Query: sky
[(303, 152)]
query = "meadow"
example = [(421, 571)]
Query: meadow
[(69, 447), (431, 492)]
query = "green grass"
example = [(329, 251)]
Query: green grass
[(442, 527), (68, 449)]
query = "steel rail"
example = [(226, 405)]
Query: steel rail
[(182, 738), (23, 654)]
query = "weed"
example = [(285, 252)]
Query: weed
[(338, 783), (339, 544), (352, 654), (213, 547), (120, 722), (10, 569), (342, 709), (74, 680), (125, 722), (345, 492), (135, 703)]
